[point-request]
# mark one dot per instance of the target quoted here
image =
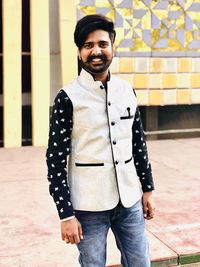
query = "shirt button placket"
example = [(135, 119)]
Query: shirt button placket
[(114, 142)]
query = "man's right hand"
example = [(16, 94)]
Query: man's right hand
[(71, 231)]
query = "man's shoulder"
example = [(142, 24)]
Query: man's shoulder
[(63, 93), (69, 86), (122, 83), (119, 80)]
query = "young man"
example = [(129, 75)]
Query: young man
[(108, 182)]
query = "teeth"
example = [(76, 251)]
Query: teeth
[(96, 59)]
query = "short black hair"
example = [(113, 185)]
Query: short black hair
[(91, 23)]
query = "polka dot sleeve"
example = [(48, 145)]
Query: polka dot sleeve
[(142, 164), (59, 146)]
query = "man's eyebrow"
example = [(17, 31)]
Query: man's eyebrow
[(91, 42), (103, 41)]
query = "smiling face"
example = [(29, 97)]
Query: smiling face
[(96, 54)]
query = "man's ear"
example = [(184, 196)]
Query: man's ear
[(79, 56), (113, 51)]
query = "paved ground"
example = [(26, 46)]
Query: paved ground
[(29, 226)]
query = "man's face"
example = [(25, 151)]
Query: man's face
[(97, 52)]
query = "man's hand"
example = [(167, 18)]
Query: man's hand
[(148, 205), (71, 231)]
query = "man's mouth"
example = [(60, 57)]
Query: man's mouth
[(96, 60)]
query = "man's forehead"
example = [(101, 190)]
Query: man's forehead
[(101, 35)]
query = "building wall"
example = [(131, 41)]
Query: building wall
[(161, 81), (157, 49)]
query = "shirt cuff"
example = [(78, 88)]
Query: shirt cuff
[(67, 219)]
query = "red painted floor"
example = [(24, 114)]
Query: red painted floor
[(176, 165), (30, 229)]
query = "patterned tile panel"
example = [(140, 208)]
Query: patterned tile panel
[(144, 26)]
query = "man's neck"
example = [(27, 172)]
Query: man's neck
[(103, 77)]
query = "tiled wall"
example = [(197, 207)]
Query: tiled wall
[(157, 47), (150, 27), (161, 81)]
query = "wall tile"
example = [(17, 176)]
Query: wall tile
[(196, 64), (183, 96), (156, 65), (170, 65), (169, 80), (155, 81), (195, 80), (127, 77), (195, 96), (142, 97), (126, 65), (156, 97), (184, 65), (170, 97), (142, 65), (141, 81), (114, 67), (183, 80)]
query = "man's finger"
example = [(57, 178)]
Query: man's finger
[(150, 215), (63, 236), (145, 210), (76, 239), (66, 240), (80, 232), (71, 239)]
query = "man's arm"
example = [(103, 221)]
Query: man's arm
[(59, 147), (143, 166)]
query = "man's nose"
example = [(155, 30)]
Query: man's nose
[(96, 50)]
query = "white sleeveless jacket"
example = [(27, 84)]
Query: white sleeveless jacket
[(101, 167)]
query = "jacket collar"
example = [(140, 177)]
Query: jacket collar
[(88, 81)]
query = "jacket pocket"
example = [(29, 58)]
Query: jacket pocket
[(89, 164), (126, 117), (128, 160)]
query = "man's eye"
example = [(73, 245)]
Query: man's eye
[(87, 46), (103, 45)]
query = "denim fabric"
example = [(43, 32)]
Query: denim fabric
[(128, 227)]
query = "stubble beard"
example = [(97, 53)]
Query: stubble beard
[(97, 68)]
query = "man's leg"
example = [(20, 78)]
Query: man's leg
[(92, 247), (128, 227)]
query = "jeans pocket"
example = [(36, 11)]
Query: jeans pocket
[(134, 214)]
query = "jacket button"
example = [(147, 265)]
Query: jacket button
[(112, 123), (116, 162), (114, 142), (109, 103)]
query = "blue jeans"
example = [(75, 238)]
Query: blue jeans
[(128, 227)]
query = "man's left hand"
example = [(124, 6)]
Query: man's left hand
[(148, 205)]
